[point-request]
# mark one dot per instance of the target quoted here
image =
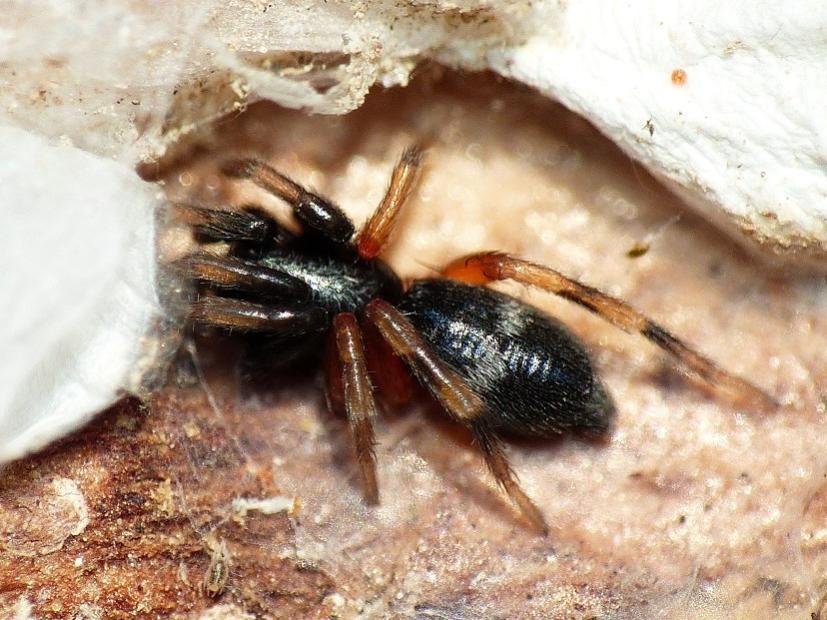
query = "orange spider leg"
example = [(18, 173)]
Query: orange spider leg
[(486, 267), (374, 235)]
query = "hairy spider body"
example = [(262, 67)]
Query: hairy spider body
[(337, 281), (333, 281), (494, 363), (533, 375)]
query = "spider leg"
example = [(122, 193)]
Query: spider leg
[(455, 395), (313, 211), (486, 267), (284, 319), (250, 225), (358, 397), (497, 461), (232, 274), (375, 233)]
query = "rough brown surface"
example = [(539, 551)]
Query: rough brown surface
[(690, 509)]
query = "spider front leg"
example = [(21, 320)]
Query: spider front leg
[(286, 319), (375, 233), (315, 213), (487, 267), (455, 395), (357, 393), (232, 274), (250, 225)]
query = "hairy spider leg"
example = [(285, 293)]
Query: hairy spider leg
[(233, 274), (250, 225), (279, 237), (358, 397), (287, 318), (315, 212), (375, 233), (454, 394), (485, 267)]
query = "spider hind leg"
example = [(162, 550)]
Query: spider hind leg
[(485, 267), (455, 396)]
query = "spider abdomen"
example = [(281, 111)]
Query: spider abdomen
[(535, 377)]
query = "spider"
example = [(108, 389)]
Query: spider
[(494, 363)]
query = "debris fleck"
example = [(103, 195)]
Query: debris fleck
[(218, 571), (638, 249), (679, 77)]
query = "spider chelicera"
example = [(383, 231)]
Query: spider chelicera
[(495, 364)]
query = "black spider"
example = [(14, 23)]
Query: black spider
[(494, 363)]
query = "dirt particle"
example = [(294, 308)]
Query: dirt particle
[(679, 77)]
